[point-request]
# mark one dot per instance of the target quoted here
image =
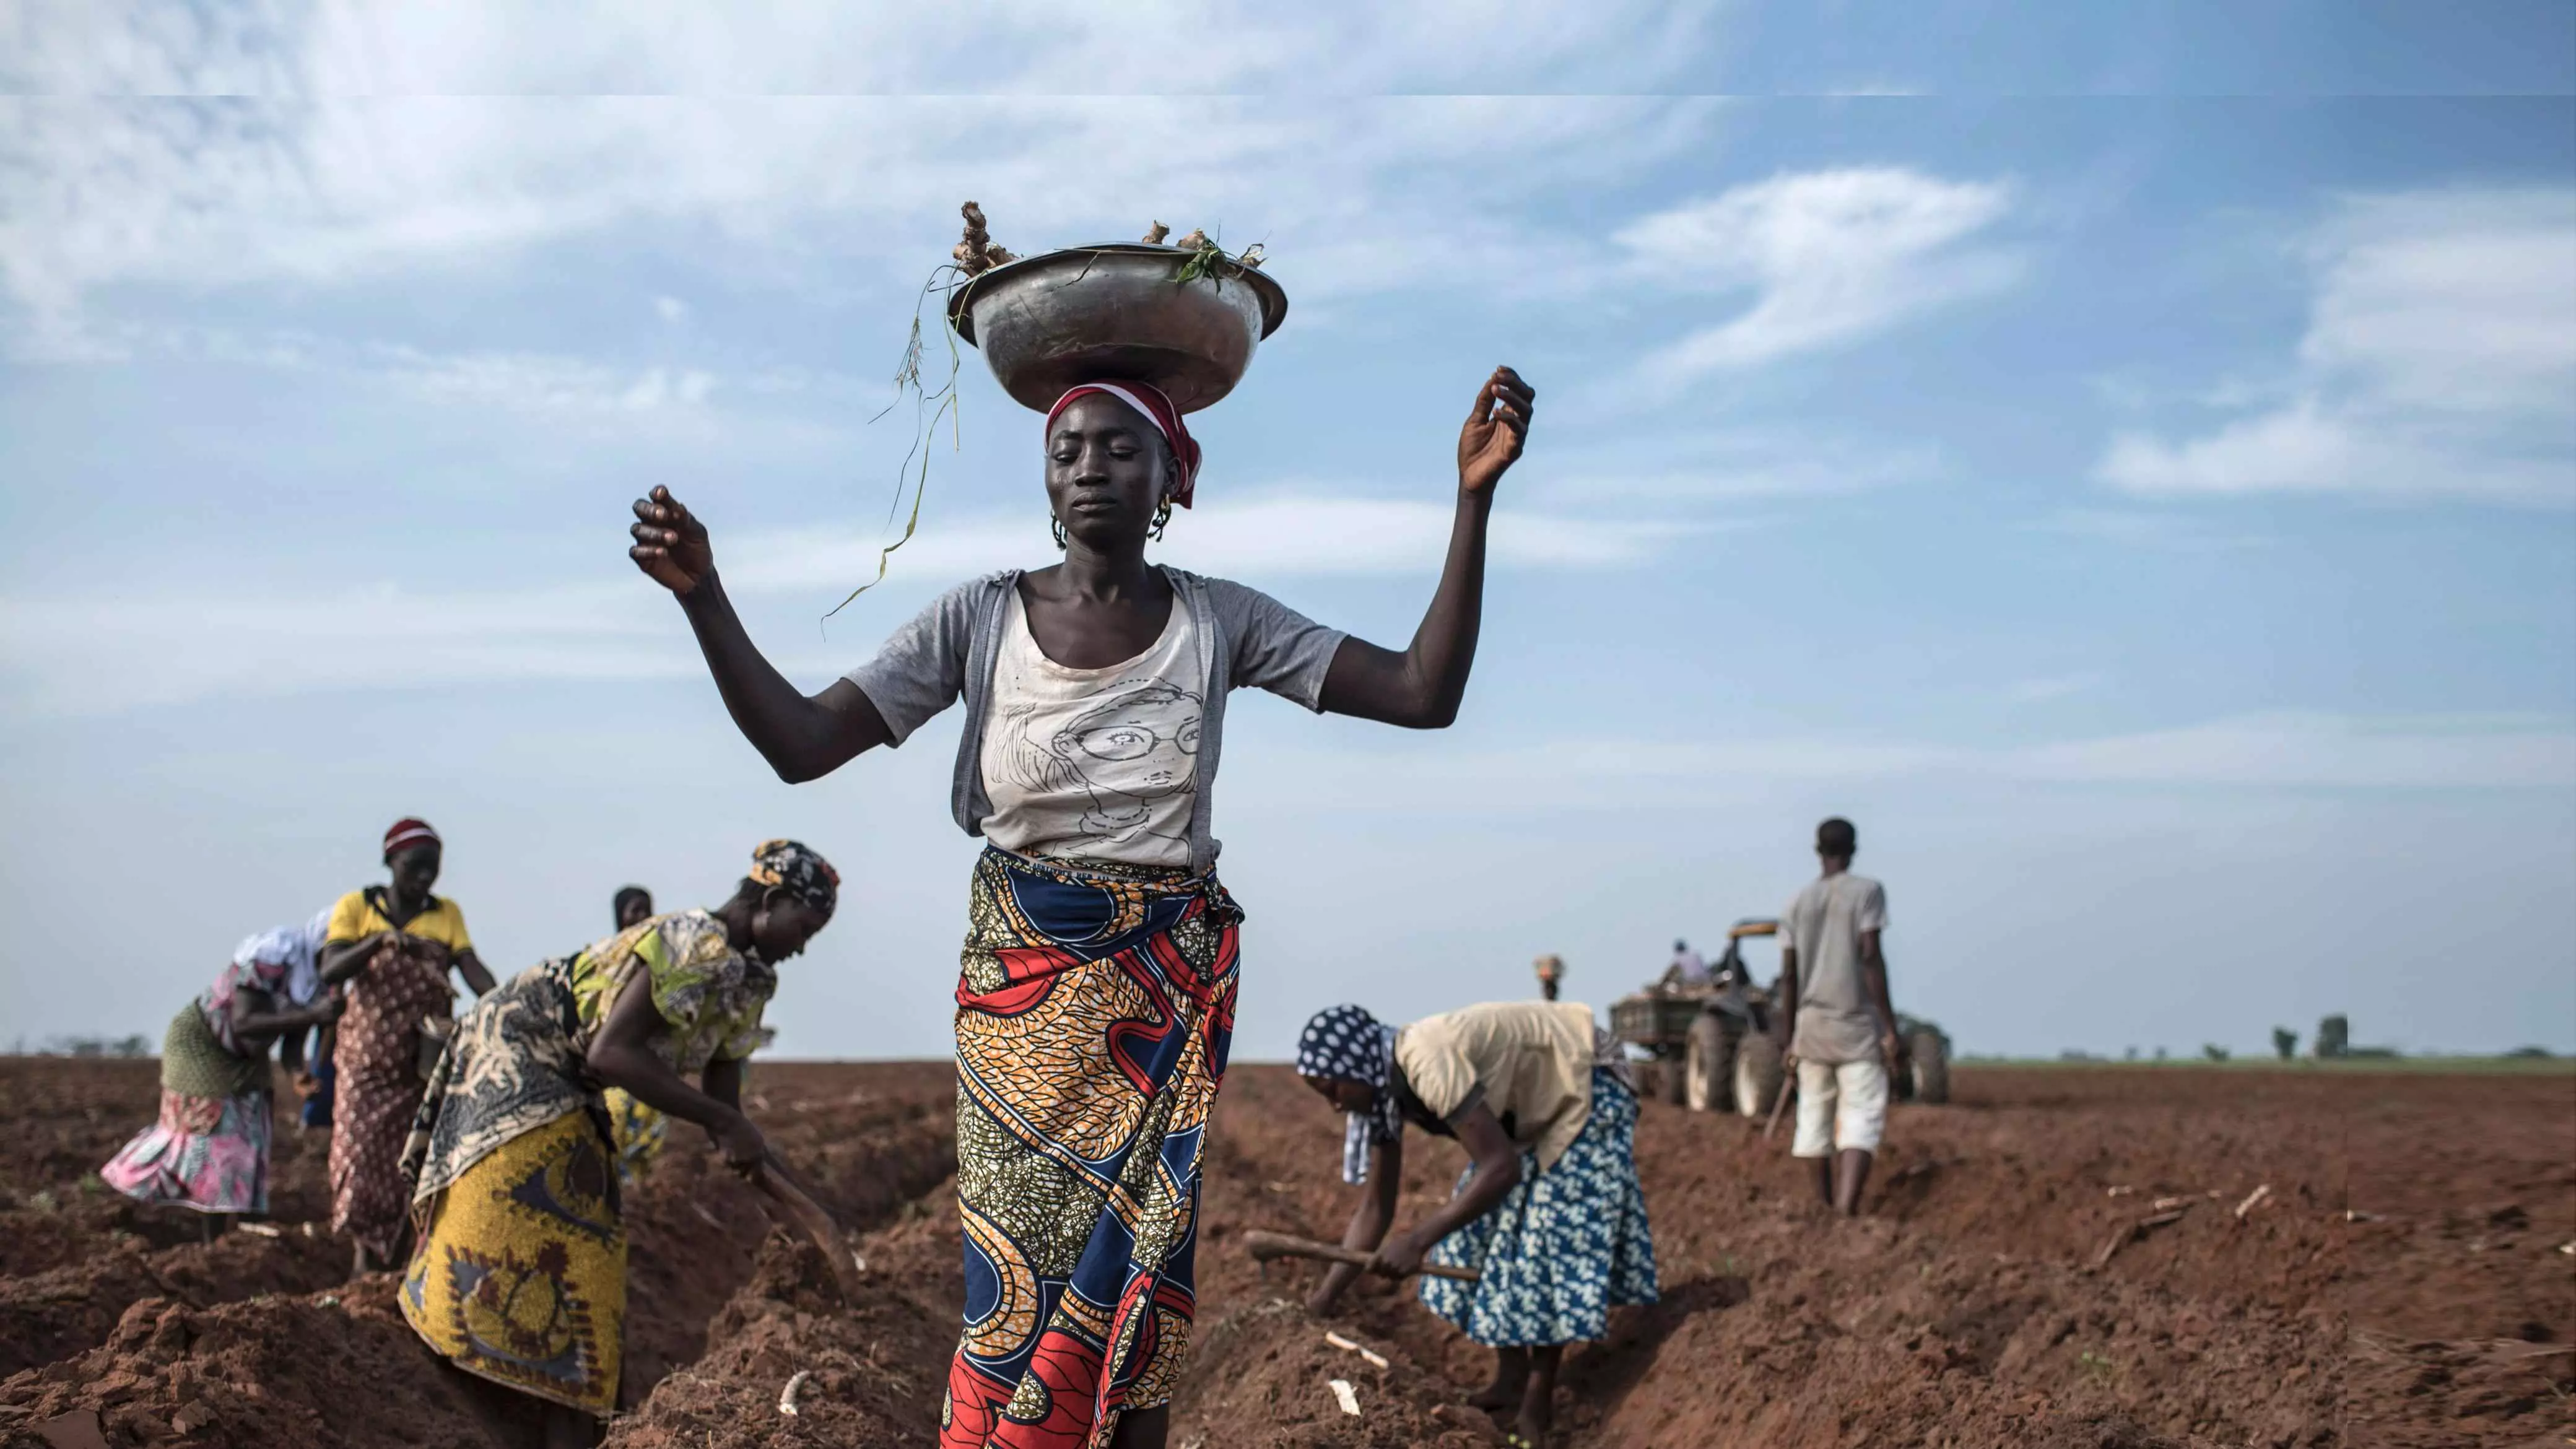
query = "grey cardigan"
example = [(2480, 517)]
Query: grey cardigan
[(1245, 637)]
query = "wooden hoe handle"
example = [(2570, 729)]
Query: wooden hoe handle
[(817, 1223), (1266, 1246)]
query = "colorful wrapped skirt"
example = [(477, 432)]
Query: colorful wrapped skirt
[(1563, 1247), (209, 1148), (519, 1275), (639, 1132), (1093, 1018)]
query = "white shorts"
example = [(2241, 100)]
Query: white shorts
[(1842, 1106)]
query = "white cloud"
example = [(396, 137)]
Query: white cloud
[(2140, 527), (2291, 751), (816, 47), (1741, 466), (122, 648), (1828, 256), (380, 138), (2439, 361), (671, 310), (88, 655), (2324, 750), (1286, 533), (546, 385)]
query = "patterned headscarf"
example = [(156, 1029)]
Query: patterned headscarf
[(406, 833), (1155, 406), (796, 868), (1345, 1043), (296, 948)]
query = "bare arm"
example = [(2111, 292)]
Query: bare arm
[(256, 1017), (722, 1080), (1498, 1171), (1369, 1222), (341, 960), (802, 737), (476, 974), (1786, 1027), (1873, 974), (622, 1056), (1422, 687)]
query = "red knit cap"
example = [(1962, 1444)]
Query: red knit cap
[(408, 832)]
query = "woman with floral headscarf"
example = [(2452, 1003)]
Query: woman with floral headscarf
[(210, 1149), (1097, 996), (1548, 1214), (512, 1157)]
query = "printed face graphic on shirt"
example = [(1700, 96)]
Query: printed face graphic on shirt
[(1137, 746)]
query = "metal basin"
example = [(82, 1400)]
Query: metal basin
[(1101, 313)]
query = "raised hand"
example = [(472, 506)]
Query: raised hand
[(1496, 429), (670, 544)]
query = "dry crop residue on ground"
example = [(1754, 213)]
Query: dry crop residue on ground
[(2401, 1283)]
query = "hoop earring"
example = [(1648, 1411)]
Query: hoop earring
[(1162, 515), (1061, 538)]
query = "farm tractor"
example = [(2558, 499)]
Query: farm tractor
[(1710, 1048)]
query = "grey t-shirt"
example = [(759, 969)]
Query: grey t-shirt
[(1242, 637), (1836, 1020)]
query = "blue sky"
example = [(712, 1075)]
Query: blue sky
[(2128, 465)]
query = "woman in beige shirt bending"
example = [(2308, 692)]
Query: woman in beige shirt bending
[(1548, 1214)]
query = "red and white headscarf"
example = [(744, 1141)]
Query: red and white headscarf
[(406, 833), (1156, 408)]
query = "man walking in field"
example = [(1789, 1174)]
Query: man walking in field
[(1833, 999)]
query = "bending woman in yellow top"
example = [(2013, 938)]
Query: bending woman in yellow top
[(520, 1275)]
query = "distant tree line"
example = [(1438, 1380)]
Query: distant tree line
[(137, 1045)]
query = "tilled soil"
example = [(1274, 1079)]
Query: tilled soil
[(2403, 1283)]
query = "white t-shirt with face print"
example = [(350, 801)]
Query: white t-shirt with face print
[(1098, 764)]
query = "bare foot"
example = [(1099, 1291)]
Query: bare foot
[(1511, 1380)]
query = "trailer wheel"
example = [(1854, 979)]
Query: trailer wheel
[(1931, 1067), (1709, 1068), (1758, 1074)]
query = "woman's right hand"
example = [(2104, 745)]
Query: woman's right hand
[(743, 1147), (670, 544)]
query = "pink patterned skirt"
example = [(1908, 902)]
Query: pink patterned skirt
[(209, 1150), (207, 1153)]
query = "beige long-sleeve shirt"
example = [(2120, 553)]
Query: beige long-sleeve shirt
[(1530, 1062)]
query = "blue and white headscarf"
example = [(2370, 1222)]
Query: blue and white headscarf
[(294, 947), (1347, 1044)]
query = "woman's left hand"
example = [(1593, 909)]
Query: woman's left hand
[(1398, 1257), (1496, 429)]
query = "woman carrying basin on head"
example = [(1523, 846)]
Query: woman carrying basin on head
[(519, 1275), (1548, 1213), (1097, 995)]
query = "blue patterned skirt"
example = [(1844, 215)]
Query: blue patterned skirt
[(1563, 1247)]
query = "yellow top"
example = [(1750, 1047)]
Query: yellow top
[(1529, 1060), (358, 915)]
